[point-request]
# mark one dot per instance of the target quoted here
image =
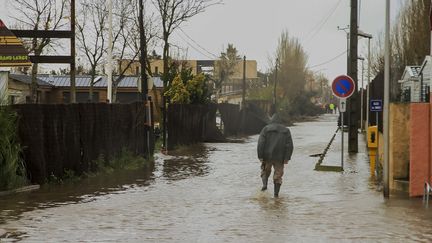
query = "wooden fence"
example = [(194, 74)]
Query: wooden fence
[(57, 138), (189, 124)]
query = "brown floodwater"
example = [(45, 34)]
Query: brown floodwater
[(210, 193)]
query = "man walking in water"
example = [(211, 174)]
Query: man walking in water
[(275, 147)]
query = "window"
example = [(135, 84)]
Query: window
[(156, 70), (12, 99), (137, 71)]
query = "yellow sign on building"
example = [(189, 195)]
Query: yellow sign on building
[(12, 51)]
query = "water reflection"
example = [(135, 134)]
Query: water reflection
[(73, 192), (269, 204), (212, 194), (187, 162)]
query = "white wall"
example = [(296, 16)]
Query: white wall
[(4, 79)]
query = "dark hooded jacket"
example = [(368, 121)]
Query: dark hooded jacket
[(275, 142)]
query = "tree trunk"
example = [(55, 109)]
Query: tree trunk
[(165, 60), (90, 98), (165, 82), (114, 93), (156, 102), (33, 86)]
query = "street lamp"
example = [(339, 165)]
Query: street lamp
[(361, 93), (386, 99), (347, 37), (369, 37)]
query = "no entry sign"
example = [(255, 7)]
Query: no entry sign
[(343, 86)]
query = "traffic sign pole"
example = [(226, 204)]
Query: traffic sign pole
[(377, 107), (377, 138), (343, 87), (342, 110), (342, 132)]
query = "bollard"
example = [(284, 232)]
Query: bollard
[(372, 139)]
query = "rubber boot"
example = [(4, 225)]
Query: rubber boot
[(264, 181), (277, 187)]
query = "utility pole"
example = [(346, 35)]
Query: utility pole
[(352, 102), (386, 100), (275, 84), (73, 54), (244, 81), (143, 49), (110, 47)]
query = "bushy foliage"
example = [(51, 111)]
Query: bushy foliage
[(293, 99), (189, 89), (198, 89), (300, 106), (178, 92), (12, 170)]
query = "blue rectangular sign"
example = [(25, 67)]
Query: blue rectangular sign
[(376, 105)]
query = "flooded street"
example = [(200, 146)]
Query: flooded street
[(214, 196)]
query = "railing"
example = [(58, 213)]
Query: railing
[(426, 193)]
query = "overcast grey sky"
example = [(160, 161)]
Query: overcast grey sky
[(254, 26)]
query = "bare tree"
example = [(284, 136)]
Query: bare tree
[(151, 32), (124, 48), (292, 66), (173, 13), (410, 42), (126, 42), (40, 15), (92, 37)]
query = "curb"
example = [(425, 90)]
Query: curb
[(19, 190), (319, 167)]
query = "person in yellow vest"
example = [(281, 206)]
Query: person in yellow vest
[(332, 108)]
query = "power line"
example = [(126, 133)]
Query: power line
[(193, 47), (329, 61), (322, 23), (201, 47)]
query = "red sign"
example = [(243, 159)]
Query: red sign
[(343, 87)]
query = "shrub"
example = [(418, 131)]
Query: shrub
[(12, 169)]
